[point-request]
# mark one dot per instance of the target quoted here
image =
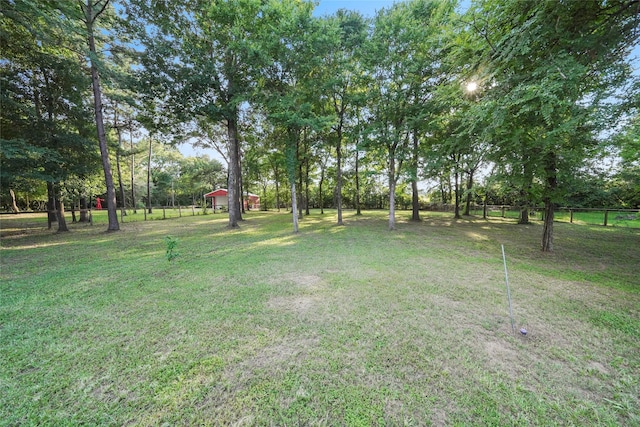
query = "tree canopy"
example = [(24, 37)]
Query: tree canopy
[(522, 101)]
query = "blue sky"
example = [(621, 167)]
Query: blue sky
[(365, 7)]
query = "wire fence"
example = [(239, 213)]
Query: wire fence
[(584, 216), (100, 216)]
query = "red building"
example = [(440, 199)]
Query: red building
[(220, 200)]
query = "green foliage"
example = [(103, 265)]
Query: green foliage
[(295, 96), (546, 71), (172, 245)]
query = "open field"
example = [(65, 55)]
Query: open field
[(350, 325)]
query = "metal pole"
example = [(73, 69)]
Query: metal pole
[(506, 278)]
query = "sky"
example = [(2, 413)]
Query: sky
[(365, 7)]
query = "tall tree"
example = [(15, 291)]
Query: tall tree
[(343, 69), (44, 121), (91, 13), (291, 79), (199, 60), (550, 67), (388, 55)]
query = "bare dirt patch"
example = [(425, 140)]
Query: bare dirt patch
[(306, 281), (299, 304), (275, 356), (503, 357)]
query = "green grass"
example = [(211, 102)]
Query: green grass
[(350, 325)]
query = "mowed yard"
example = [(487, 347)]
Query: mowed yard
[(352, 325)]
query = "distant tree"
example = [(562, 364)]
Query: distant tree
[(290, 82), (626, 182), (199, 62), (44, 121)]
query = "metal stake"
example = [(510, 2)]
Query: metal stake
[(506, 278)]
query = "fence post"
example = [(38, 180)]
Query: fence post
[(179, 212), (502, 211), (164, 212), (606, 217), (571, 216), (193, 210)]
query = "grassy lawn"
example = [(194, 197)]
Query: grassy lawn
[(350, 325)]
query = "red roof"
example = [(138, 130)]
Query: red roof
[(223, 192), (217, 193)]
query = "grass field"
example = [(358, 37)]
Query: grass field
[(350, 325)]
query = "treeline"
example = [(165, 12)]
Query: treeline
[(523, 103)]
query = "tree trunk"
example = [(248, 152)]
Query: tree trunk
[(116, 125), (294, 206), (263, 206), (14, 205), (320, 196), (456, 177), (133, 187), (119, 170), (547, 231), (524, 193), (306, 192), (62, 222), (102, 139), (232, 184), (300, 187), (339, 174), (467, 206), (392, 191), (358, 212), (415, 200), (442, 191), (242, 193), (51, 205), (524, 215), (291, 158), (149, 209), (276, 176), (73, 213), (549, 205), (84, 214), (306, 180), (240, 189)]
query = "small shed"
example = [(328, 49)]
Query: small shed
[(220, 199)]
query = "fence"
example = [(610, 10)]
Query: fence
[(586, 216), (164, 212), (140, 214), (605, 217)]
